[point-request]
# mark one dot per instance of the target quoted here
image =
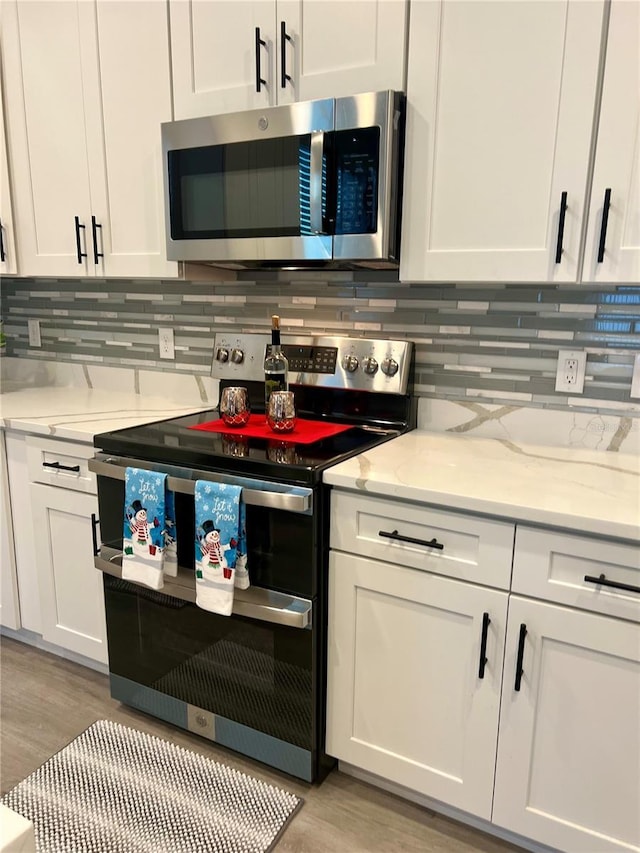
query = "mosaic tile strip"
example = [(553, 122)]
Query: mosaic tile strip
[(473, 342)]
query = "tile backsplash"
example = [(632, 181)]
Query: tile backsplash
[(489, 343)]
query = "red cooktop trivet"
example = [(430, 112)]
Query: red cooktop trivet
[(304, 432)]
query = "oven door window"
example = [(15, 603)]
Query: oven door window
[(254, 673), (259, 188)]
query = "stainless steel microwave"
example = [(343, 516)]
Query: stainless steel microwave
[(311, 183)]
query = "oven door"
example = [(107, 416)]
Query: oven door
[(252, 681), (247, 186)]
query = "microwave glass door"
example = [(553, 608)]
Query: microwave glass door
[(258, 188)]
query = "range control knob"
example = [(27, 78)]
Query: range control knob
[(389, 367), (370, 365), (350, 363), (237, 356), (222, 354)]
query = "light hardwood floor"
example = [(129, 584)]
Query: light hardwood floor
[(46, 701)]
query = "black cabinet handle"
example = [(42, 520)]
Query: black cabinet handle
[(284, 38), (3, 256), (603, 227), (94, 231), (81, 254), (395, 535), (602, 580), (259, 43), (519, 670), (60, 467), (94, 522), (563, 210), (483, 644)]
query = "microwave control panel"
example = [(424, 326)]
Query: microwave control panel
[(360, 364)]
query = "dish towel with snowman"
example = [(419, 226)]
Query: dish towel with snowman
[(220, 558), (149, 540)]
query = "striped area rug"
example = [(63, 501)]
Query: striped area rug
[(117, 790)]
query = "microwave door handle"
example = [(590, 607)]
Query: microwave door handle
[(315, 182)]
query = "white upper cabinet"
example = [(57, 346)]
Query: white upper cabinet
[(87, 85), (215, 55), (341, 48), (613, 247), (7, 243), (316, 48), (501, 100)]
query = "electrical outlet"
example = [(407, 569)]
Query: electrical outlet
[(570, 371), (635, 378), (165, 339), (34, 333)]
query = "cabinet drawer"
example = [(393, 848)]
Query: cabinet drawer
[(60, 463), (473, 549), (553, 566)]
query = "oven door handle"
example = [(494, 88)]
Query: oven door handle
[(290, 498), (257, 603)]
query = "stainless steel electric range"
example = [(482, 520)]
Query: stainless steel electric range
[(254, 681)]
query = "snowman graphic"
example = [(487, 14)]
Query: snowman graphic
[(139, 524), (213, 559)]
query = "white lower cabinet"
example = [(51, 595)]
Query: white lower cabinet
[(410, 696), (9, 606), (568, 769), (53, 499), (71, 594), (547, 744)]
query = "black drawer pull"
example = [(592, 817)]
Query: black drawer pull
[(94, 231), (606, 204), (602, 580), (94, 522), (483, 644), (60, 467), (3, 256), (79, 251), (395, 535), (284, 38), (259, 43), (563, 210), (519, 670)]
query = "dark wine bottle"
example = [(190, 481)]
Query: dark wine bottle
[(276, 366)]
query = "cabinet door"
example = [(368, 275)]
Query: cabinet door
[(9, 608), (568, 770), (71, 594), (128, 84), (213, 55), (617, 164), (42, 65), (405, 700), (8, 263), (26, 564), (341, 48), (500, 107)]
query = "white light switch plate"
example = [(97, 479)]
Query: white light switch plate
[(570, 371), (34, 333), (635, 378)]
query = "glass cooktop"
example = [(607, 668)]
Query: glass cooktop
[(172, 442)]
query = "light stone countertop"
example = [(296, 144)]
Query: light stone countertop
[(80, 413), (582, 490)]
